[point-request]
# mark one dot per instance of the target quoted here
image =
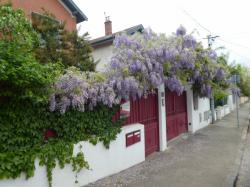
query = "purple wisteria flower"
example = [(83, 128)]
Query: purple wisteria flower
[(196, 75), (148, 34), (220, 74), (170, 54), (189, 41), (181, 31), (130, 53), (187, 60), (139, 64), (174, 85), (206, 90), (114, 63), (235, 91), (80, 90), (212, 54)]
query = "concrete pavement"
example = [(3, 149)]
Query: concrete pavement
[(212, 157), (244, 170)]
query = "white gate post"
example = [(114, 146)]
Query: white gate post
[(162, 118), (190, 110)]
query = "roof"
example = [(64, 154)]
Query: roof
[(80, 16), (105, 40)]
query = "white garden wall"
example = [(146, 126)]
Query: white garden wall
[(102, 161), (230, 102), (226, 109), (243, 99), (197, 118)]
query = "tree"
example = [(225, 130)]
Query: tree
[(21, 75), (58, 44)]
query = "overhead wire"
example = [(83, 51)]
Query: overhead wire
[(225, 41), (195, 20), (233, 43)]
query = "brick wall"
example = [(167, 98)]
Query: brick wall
[(53, 6)]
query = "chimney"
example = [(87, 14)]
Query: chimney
[(108, 26)]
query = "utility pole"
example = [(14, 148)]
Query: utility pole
[(210, 40)]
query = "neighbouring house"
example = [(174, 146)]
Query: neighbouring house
[(103, 45), (64, 10)]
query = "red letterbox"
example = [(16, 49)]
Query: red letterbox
[(133, 137)]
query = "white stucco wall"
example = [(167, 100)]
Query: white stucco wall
[(102, 161), (226, 109), (194, 122), (103, 54), (230, 103), (243, 99)]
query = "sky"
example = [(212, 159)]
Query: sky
[(228, 19)]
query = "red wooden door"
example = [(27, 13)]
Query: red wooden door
[(176, 114), (145, 111)]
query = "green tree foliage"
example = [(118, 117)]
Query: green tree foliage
[(21, 75), (238, 69), (244, 73), (220, 97), (58, 44)]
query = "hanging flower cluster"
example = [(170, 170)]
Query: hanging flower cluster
[(235, 91), (150, 60), (140, 63), (80, 90)]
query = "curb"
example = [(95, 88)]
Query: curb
[(235, 175)]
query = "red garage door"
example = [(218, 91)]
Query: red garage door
[(145, 111), (176, 111)]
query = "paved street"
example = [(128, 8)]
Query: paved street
[(213, 156)]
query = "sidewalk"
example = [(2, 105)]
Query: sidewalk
[(209, 158), (244, 172)]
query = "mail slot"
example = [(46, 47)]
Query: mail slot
[(133, 137)]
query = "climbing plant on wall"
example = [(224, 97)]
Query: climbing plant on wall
[(28, 130)]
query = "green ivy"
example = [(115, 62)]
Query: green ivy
[(22, 128), (25, 82)]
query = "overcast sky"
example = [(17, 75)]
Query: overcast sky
[(227, 18)]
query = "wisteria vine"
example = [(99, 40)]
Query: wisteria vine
[(140, 63)]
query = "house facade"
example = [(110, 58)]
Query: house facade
[(103, 46), (63, 10)]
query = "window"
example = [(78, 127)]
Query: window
[(200, 117), (37, 17)]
